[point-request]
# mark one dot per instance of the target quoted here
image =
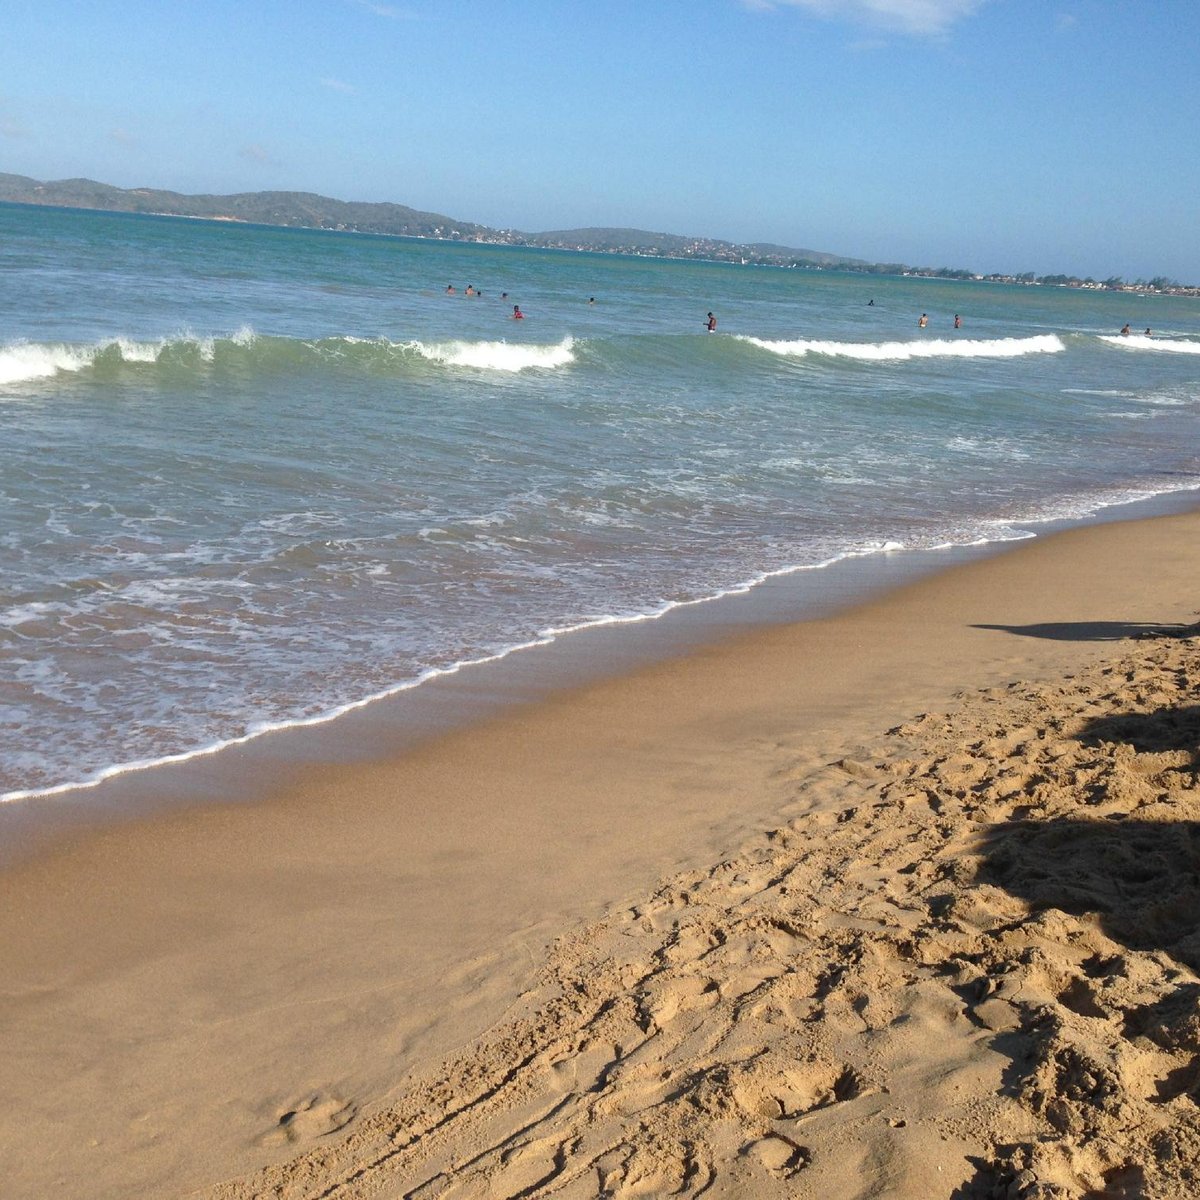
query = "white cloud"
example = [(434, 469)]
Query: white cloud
[(338, 85), (122, 137), (920, 18)]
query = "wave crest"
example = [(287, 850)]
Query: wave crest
[(23, 362), (498, 356), (26, 362), (1139, 341), (901, 351)]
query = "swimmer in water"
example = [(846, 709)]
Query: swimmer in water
[(518, 315), (711, 324)]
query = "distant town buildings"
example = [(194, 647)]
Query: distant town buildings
[(306, 210)]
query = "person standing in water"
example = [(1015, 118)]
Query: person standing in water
[(957, 321), (518, 315), (923, 321), (711, 324)]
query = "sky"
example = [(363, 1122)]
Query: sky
[(1054, 136)]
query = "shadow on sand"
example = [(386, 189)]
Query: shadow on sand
[(1095, 631), (1140, 880), (1139, 877), (1162, 731)]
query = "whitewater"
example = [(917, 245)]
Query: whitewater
[(254, 478)]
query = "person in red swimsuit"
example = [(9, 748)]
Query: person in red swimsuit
[(518, 315)]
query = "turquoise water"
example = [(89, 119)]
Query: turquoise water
[(251, 476)]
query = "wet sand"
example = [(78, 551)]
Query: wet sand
[(705, 922)]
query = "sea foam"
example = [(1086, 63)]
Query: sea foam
[(31, 360), (498, 356), (24, 362), (900, 351), (1140, 341)]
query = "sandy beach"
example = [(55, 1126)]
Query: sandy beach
[(900, 902)]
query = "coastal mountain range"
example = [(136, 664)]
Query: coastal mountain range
[(307, 210), (311, 211)]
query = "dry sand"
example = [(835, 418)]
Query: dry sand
[(940, 955)]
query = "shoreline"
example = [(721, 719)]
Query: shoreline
[(567, 657), (409, 896), (961, 963)]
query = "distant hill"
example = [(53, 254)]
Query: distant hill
[(303, 209), (306, 210), (310, 211), (674, 245)]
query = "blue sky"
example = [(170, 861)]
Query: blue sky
[(1011, 135)]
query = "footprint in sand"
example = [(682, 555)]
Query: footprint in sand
[(1183, 1081), (584, 1068), (530, 1166), (661, 912), (312, 1117), (790, 1092), (1080, 997), (781, 1156), (693, 943), (663, 1004)]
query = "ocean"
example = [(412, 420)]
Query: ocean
[(252, 477)]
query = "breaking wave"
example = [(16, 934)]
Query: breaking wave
[(27, 361), (24, 362), (901, 351), (249, 352), (1141, 342), (497, 356)]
